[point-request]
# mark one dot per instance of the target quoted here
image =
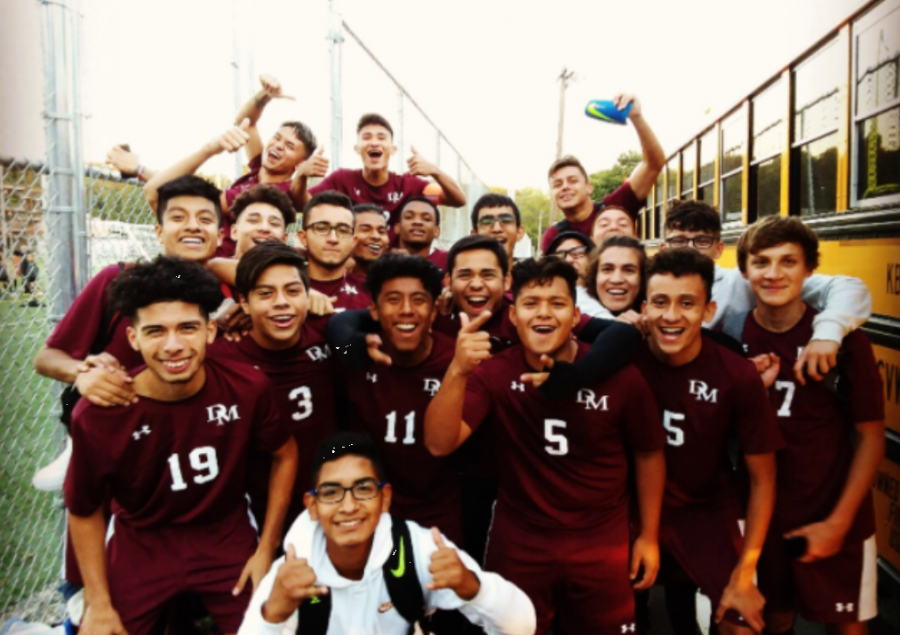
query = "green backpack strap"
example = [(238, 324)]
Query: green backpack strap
[(401, 577)]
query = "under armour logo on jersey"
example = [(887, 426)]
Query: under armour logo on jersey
[(702, 391), (590, 401), (356, 189), (143, 432), (222, 414), (628, 628), (372, 377), (844, 608), (432, 386), (518, 386), (349, 289), (318, 353), (394, 197)]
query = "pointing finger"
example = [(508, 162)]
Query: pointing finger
[(471, 326)]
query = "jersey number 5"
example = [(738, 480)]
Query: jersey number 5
[(203, 460), (674, 434), (561, 443)]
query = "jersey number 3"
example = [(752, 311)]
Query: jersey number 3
[(203, 461)]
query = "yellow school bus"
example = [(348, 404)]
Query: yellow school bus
[(819, 140)]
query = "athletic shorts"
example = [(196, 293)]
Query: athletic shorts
[(148, 567), (706, 544), (837, 590), (581, 580)]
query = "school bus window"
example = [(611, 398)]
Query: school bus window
[(708, 149), (816, 111), (768, 143), (877, 112), (688, 159), (734, 133)]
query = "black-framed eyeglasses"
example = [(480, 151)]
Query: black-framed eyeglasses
[(574, 252), (703, 241), (323, 228), (489, 219), (362, 490)]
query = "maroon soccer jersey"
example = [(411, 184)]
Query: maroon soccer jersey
[(388, 196), (562, 463), (350, 291), (702, 403), (438, 257), (83, 322), (167, 463), (623, 196), (242, 184), (817, 423), (304, 379), (389, 402)]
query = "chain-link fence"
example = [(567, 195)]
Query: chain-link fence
[(120, 228)]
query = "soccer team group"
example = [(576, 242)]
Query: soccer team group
[(361, 432)]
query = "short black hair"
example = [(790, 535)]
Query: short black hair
[(543, 270), (564, 236), (328, 197), (694, 216), (304, 133), (492, 200), (683, 261), (373, 119), (268, 194), (473, 243), (392, 266), (344, 444), (260, 257), (369, 208), (422, 199), (165, 279), (187, 185)]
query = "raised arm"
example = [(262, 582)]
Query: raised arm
[(252, 110), (654, 159), (445, 429), (418, 166), (231, 140), (88, 534)]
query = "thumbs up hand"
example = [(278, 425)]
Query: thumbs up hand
[(294, 582), (448, 571), (419, 166), (232, 139), (315, 165)]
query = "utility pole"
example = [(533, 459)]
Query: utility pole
[(564, 78)]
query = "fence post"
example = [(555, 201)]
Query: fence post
[(335, 38), (62, 206)]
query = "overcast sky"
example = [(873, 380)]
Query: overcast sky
[(159, 75)]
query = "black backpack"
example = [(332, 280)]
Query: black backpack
[(402, 582)]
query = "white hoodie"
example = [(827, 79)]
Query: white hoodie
[(361, 607)]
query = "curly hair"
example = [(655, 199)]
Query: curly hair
[(165, 279), (392, 266)]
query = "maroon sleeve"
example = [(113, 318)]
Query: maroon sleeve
[(751, 411), (641, 424), (865, 393), (268, 432), (478, 398), (76, 332), (330, 182), (549, 235), (88, 478), (585, 318), (624, 196), (413, 185)]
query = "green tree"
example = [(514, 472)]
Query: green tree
[(533, 204), (605, 181)]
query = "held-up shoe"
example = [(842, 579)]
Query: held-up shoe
[(50, 478)]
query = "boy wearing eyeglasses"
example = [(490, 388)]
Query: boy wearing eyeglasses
[(844, 302), (498, 216), (328, 236), (339, 551)]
